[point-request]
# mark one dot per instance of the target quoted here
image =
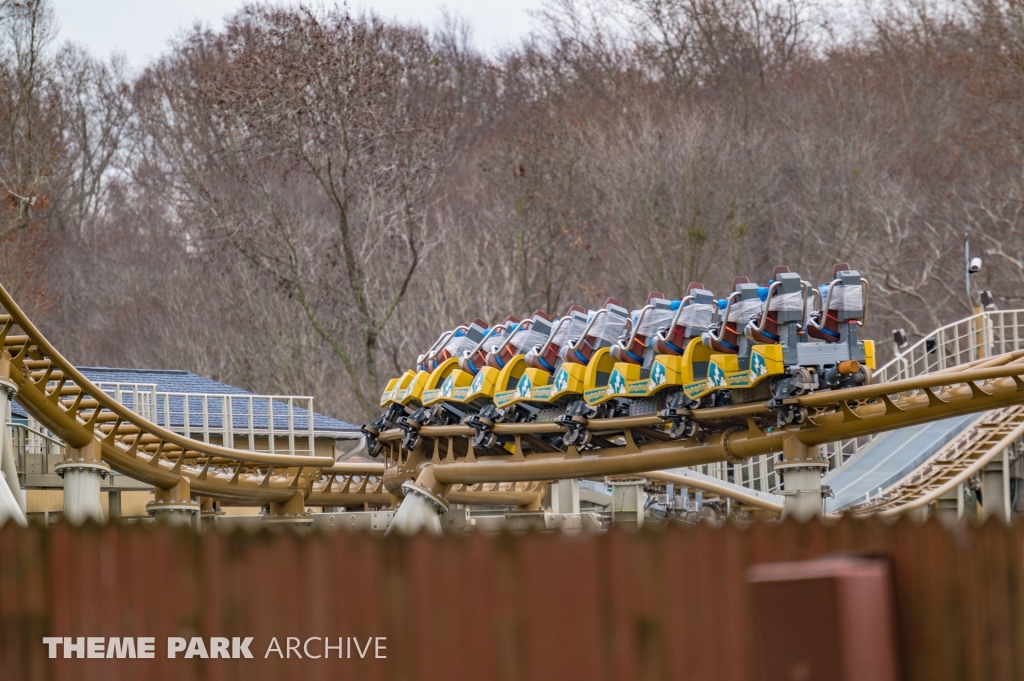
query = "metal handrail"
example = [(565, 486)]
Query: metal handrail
[(21, 447), (147, 404), (905, 363), (764, 312), (572, 345), (520, 326), (554, 330), (443, 341), (663, 335), (36, 432), (725, 317), (635, 327), (494, 330)]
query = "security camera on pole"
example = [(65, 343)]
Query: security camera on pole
[(972, 266)]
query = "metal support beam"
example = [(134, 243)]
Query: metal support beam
[(628, 503), (209, 512), (949, 508), (292, 512), (802, 467), (565, 496), (113, 504), (422, 506), (995, 488), (174, 505)]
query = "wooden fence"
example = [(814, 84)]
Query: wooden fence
[(669, 604)]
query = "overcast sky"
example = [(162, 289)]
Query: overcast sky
[(141, 29)]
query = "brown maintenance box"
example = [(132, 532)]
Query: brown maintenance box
[(830, 619)]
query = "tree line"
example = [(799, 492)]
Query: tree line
[(302, 200)]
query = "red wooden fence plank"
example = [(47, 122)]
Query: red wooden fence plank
[(671, 604)]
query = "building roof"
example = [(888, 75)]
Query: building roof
[(172, 386)]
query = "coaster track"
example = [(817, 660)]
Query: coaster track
[(60, 397), (951, 466), (635, 444), (56, 394)]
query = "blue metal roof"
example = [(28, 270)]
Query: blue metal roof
[(176, 381)]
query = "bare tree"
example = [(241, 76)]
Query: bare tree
[(686, 198), (310, 143), (27, 146)]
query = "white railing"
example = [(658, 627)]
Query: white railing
[(258, 419), (986, 334), (982, 335), (31, 439), (139, 397)]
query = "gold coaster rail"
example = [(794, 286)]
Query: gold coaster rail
[(100, 434), (100, 430), (728, 433)]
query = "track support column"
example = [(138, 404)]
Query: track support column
[(565, 497), (802, 466), (422, 506), (209, 511), (83, 471), (995, 489), (113, 504), (291, 512), (175, 505), (8, 466)]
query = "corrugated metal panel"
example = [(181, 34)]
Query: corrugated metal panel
[(652, 605), (889, 458)]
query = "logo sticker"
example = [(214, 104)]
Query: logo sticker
[(716, 377), (523, 389), (758, 368), (657, 375), (561, 380), (616, 383), (448, 387), (478, 383)]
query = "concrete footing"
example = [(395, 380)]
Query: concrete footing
[(83, 471), (801, 467)]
